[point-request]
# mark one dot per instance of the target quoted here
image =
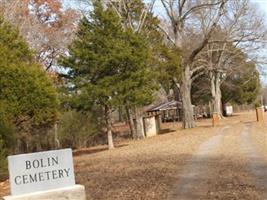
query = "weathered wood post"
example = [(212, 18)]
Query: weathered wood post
[(215, 119), (260, 114)]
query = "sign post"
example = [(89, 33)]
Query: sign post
[(36, 175)]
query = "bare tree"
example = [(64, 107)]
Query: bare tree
[(183, 26), (240, 31), (220, 61)]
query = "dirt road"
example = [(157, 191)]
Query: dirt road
[(227, 166), (227, 162)]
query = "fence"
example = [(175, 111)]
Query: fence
[(242, 108)]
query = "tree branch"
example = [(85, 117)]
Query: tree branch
[(197, 7), (166, 34), (207, 37)]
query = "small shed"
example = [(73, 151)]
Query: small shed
[(169, 111)]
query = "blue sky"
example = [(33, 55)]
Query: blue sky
[(263, 5)]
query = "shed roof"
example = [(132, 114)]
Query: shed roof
[(170, 105)]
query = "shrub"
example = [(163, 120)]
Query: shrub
[(257, 104), (78, 129)]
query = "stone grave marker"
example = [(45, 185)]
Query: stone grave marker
[(36, 175)]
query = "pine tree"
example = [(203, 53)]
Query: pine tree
[(108, 65)]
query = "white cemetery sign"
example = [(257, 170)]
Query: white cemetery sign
[(40, 171)]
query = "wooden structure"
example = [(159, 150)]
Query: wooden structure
[(169, 111), (202, 111)]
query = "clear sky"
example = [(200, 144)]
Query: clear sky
[(263, 5)]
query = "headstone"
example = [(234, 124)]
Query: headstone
[(40, 173)]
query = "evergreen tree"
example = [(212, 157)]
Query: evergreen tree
[(243, 87), (136, 15), (7, 142), (108, 65), (28, 100)]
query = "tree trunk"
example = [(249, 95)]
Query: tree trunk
[(131, 121), (216, 93), (139, 125), (57, 142), (120, 114), (188, 113), (217, 101), (109, 127)]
